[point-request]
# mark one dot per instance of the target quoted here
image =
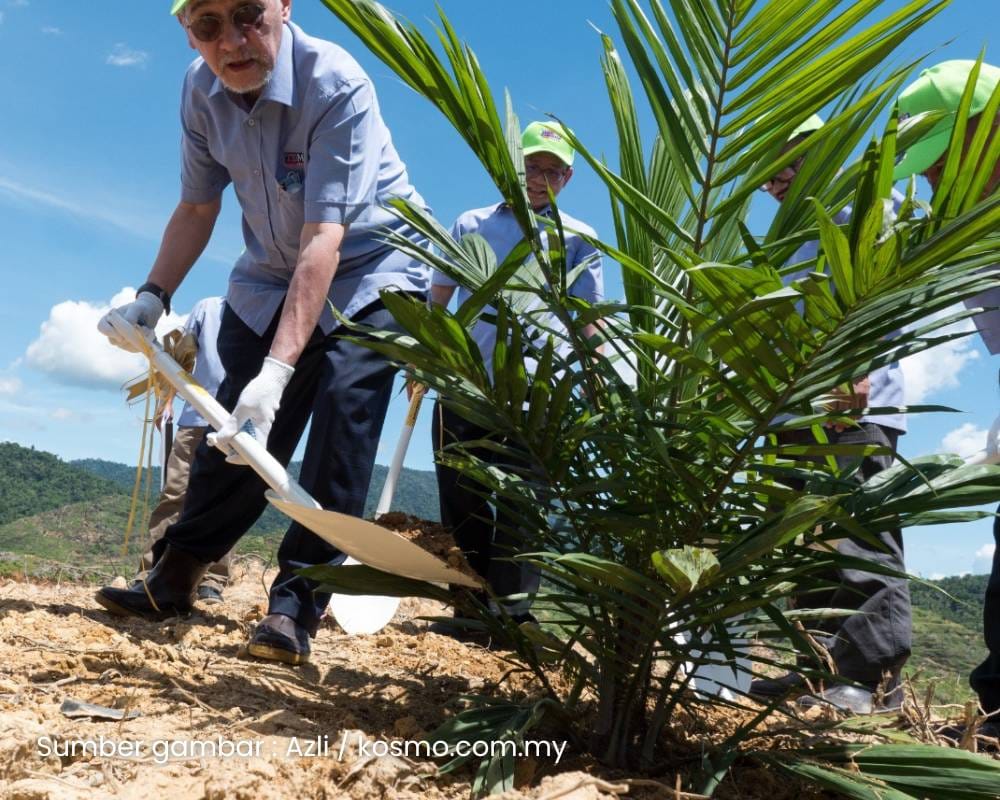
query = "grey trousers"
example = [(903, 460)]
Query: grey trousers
[(877, 639)]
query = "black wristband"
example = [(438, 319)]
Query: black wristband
[(156, 291)]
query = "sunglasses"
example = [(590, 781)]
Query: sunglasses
[(208, 27)]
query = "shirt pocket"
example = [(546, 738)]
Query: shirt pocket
[(290, 215)]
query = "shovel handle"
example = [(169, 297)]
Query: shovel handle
[(253, 452), (396, 467)]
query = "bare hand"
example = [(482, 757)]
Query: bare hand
[(846, 401)]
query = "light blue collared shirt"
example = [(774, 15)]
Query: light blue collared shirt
[(988, 322), (498, 226), (313, 148), (886, 383), (203, 323)]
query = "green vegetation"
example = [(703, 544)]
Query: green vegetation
[(59, 518), (944, 653), (32, 481), (656, 499), (959, 600), (416, 490), (947, 636)]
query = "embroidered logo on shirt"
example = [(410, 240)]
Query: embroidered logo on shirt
[(295, 160)]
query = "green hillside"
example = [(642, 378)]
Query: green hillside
[(964, 605), (416, 490), (70, 518), (32, 481)]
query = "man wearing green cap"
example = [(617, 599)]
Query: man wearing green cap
[(485, 536), (292, 122), (940, 89), (870, 646)]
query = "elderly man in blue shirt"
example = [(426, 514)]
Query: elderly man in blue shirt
[(870, 646), (293, 123), (483, 533)]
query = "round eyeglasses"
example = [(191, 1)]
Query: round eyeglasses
[(209, 27)]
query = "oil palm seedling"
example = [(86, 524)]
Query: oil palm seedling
[(642, 468)]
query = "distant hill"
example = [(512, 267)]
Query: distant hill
[(964, 606), (416, 490), (75, 513), (33, 481)]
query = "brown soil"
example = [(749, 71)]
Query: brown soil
[(430, 536), (195, 689)]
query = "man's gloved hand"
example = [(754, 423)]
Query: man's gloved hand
[(145, 311), (255, 410)]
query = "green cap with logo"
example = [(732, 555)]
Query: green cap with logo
[(547, 137), (940, 88), (811, 125), (177, 6)]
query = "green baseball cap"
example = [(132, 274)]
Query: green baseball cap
[(178, 5), (547, 137), (811, 125), (940, 88)]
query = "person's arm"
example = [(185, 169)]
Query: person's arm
[(185, 237), (441, 293), (319, 256), (590, 285), (592, 330), (184, 240)]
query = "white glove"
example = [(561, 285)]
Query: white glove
[(145, 311), (255, 410)]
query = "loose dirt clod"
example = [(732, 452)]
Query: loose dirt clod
[(430, 536)]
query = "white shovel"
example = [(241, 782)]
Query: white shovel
[(991, 455), (371, 613), (364, 541)]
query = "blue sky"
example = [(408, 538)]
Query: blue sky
[(89, 175)]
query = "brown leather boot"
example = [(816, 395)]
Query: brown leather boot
[(167, 591)]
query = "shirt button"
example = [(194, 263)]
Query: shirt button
[(256, 172), (251, 122)]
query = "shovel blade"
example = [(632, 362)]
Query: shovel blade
[(372, 544)]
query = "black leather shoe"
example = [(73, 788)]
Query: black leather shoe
[(167, 591), (209, 595), (777, 687), (280, 638), (853, 700), (467, 634)]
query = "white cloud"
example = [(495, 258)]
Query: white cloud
[(938, 368), (51, 30), (1, 17), (983, 562), (10, 386), (93, 212), (122, 55), (70, 349), (18, 3), (69, 415), (966, 440)]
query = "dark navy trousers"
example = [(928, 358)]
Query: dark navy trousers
[(487, 536), (985, 678), (345, 388), (877, 638)]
